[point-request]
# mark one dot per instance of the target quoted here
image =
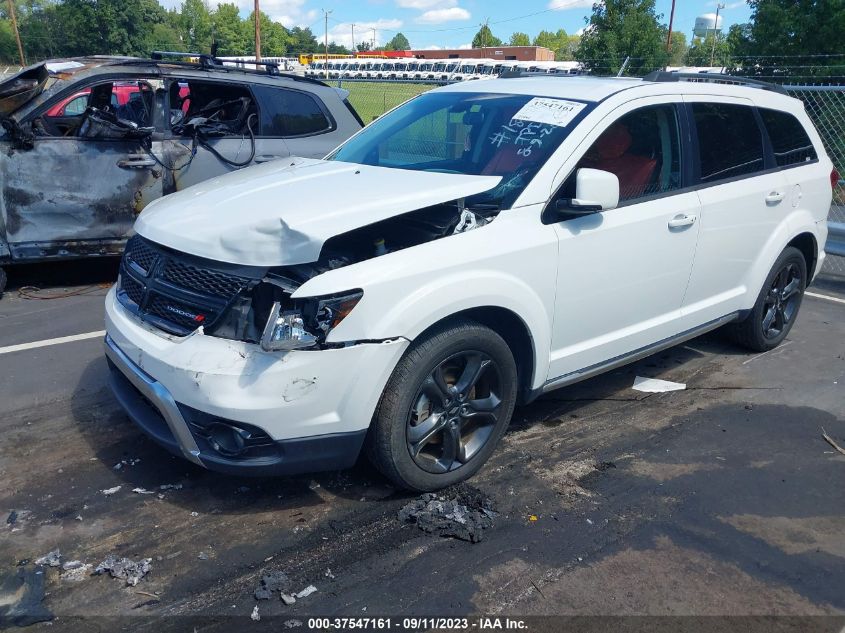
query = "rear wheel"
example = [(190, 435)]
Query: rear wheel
[(3, 280), (776, 309), (445, 407)]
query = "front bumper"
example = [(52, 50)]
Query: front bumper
[(313, 411)]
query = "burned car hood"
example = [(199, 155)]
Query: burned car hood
[(282, 212)]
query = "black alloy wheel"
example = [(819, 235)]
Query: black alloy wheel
[(454, 412)]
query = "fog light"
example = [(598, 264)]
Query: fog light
[(228, 440)]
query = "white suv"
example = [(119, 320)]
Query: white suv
[(476, 247)]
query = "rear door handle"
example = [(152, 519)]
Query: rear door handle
[(682, 220), (136, 162), (774, 197)]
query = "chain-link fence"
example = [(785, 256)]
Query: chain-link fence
[(826, 106)]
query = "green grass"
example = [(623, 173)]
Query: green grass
[(371, 99)]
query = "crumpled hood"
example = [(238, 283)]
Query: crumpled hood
[(282, 212)]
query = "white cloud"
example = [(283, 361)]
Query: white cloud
[(438, 16), (342, 33), (560, 5), (422, 5), (464, 46)]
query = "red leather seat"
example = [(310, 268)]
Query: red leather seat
[(609, 154)]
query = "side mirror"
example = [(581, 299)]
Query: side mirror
[(595, 190)]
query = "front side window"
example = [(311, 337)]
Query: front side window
[(790, 143), (730, 142), (505, 135), (642, 149)]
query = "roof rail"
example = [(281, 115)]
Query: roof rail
[(665, 76), (209, 61)]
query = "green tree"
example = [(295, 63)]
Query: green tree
[(519, 39), (797, 27), (338, 49), (274, 37), (485, 37), (678, 49), (363, 47), (302, 40), (398, 43), (560, 43), (619, 29), (196, 26), (229, 30), (701, 51)]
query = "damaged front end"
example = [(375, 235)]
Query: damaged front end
[(180, 293)]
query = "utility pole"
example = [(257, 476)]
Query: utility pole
[(326, 65), (719, 7), (17, 34), (484, 29), (257, 16), (669, 34), (374, 39), (353, 39)]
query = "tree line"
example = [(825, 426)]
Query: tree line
[(780, 33)]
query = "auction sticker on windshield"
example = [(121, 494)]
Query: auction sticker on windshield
[(558, 112)]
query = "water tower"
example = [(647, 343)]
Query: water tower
[(706, 24)]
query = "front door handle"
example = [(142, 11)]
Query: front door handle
[(774, 197), (136, 162), (682, 220)]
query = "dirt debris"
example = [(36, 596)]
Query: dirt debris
[(75, 570), (464, 514), (51, 559), (130, 571), (272, 582)]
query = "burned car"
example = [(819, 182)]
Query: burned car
[(87, 143)]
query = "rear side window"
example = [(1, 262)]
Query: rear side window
[(790, 142), (730, 142), (291, 113)]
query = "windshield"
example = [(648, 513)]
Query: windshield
[(468, 133)]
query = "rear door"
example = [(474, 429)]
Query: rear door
[(743, 198), (76, 195), (242, 143)]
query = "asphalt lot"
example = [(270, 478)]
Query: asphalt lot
[(722, 499)]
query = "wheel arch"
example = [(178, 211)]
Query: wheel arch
[(512, 328), (807, 244)]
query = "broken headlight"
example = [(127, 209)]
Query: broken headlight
[(309, 323)]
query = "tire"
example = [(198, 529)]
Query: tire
[(3, 280), (435, 425), (776, 309)]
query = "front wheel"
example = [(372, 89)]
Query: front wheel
[(776, 309), (445, 407)]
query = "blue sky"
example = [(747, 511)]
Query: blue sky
[(452, 23)]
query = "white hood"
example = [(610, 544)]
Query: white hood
[(282, 212)]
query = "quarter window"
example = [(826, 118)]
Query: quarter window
[(642, 148), (730, 142), (291, 113), (790, 142)]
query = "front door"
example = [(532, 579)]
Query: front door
[(75, 194), (623, 273)]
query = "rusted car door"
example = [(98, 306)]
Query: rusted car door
[(75, 196)]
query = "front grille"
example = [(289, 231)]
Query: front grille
[(140, 253), (193, 278), (177, 292)]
